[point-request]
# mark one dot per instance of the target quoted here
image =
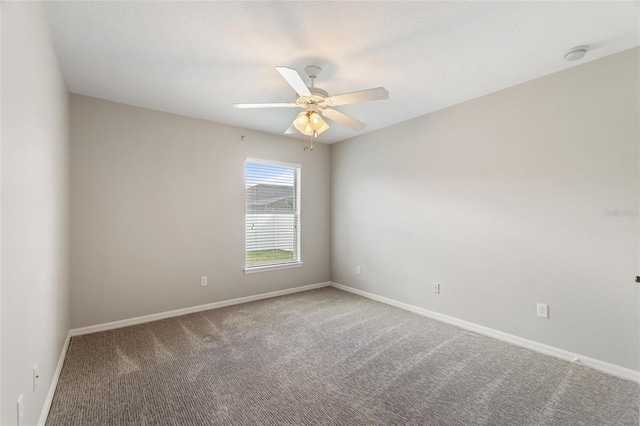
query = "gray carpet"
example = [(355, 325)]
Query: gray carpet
[(324, 357)]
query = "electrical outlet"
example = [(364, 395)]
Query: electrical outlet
[(20, 412), (36, 376), (203, 281), (357, 270), (543, 310), (435, 286)]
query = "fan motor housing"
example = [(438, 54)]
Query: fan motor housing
[(318, 92), (317, 97)]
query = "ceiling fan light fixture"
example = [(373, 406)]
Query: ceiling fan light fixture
[(324, 127), (308, 130), (310, 123), (302, 120), (315, 121), (301, 123)]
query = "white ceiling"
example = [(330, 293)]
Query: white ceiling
[(197, 58)]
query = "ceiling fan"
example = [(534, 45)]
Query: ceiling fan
[(317, 103)]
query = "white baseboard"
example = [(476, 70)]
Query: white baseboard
[(168, 314), (54, 383), (612, 369)]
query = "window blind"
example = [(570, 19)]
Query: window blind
[(272, 213)]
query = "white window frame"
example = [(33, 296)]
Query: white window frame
[(297, 261)]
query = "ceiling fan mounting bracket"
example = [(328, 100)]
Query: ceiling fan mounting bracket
[(312, 71)]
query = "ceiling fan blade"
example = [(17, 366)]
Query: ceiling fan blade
[(343, 119), (291, 130), (294, 80), (267, 105), (376, 94)]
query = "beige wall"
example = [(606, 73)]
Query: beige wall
[(35, 209), (158, 201), (504, 201)]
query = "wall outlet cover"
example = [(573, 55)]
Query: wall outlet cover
[(543, 310)]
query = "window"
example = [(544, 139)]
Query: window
[(272, 215)]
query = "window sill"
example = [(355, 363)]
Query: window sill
[(266, 268)]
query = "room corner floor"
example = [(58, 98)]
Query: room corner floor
[(324, 357)]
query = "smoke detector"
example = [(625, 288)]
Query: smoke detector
[(576, 53)]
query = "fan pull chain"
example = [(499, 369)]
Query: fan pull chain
[(310, 147)]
